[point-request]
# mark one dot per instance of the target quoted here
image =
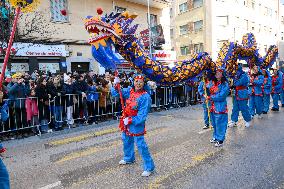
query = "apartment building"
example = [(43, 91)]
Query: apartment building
[(64, 47), (203, 25)]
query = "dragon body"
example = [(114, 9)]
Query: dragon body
[(115, 33)]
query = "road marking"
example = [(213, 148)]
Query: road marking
[(157, 183), (204, 131), (93, 150), (118, 167), (82, 137), (58, 183)]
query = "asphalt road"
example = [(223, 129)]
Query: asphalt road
[(88, 157)]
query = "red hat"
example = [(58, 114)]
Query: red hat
[(139, 76), (220, 70)]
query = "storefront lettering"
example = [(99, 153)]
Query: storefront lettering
[(29, 53)]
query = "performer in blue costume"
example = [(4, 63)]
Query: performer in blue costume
[(240, 97), (219, 90), (282, 94), (205, 103), (137, 106), (256, 95), (277, 79), (4, 176), (266, 89)]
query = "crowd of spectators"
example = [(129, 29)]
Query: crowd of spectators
[(55, 101)]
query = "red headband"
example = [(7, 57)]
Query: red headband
[(219, 70), (139, 77)]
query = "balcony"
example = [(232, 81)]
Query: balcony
[(153, 3)]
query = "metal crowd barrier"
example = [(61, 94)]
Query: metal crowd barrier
[(73, 108)]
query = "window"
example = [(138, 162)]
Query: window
[(246, 24), (259, 29), (172, 33), (282, 19), (58, 9), (223, 20), (252, 26), (183, 7), (253, 4), (269, 12), (119, 9), (198, 25), (184, 50), (171, 12), (153, 20), (183, 29), (197, 3), (198, 48)]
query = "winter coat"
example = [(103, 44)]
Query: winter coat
[(92, 94), (31, 108), (218, 94), (241, 86), (68, 90), (18, 91)]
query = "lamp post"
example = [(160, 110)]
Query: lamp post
[(149, 28)]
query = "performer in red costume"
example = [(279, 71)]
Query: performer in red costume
[(132, 124)]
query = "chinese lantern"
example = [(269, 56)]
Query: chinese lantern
[(100, 11), (63, 12)]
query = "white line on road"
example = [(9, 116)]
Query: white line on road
[(58, 183), (204, 131)]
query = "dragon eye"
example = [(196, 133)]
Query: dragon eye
[(107, 20)]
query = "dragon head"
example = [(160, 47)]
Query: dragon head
[(114, 27)]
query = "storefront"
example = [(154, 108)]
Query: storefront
[(28, 57)]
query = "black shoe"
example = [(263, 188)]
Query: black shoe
[(282, 105), (275, 109), (264, 112)]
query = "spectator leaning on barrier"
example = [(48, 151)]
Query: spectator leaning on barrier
[(32, 110), (92, 102), (69, 90), (43, 103), (55, 89), (81, 88), (104, 97), (18, 93)]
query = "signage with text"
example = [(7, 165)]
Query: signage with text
[(29, 49)]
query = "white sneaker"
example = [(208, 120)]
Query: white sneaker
[(259, 116), (232, 124), (247, 124), (218, 144), (122, 162), (213, 140), (146, 173)]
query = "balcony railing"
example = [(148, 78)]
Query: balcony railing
[(153, 3)]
